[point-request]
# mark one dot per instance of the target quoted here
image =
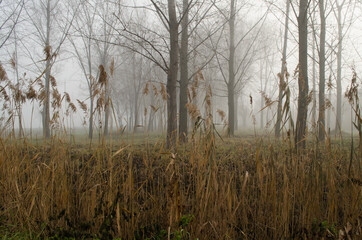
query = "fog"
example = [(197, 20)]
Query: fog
[(71, 41)]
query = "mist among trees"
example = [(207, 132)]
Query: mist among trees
[(188, 73), (250, 56)]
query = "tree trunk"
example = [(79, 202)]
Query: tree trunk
[(46, 110), (314, 107), (261, 97), (281, 81), (90, 128), (91, 91), (172, 77), (236, 123), (136, 112), (106, 113), (105, 59), (314, 75), (300, 137), (150, 126), (18, 101), (243, 112), (322, 78), (328, 125), (339, 71), (231, 83), (265, 91), (184, 78)]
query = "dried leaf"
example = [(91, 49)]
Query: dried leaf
[(3, 75), (102, 80)]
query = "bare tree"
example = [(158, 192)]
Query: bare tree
[(231, 82), (322, 79), (47, 49), (194, 18), (50, 26), (237, 64), (339, 64), (154, 51), (15, 65), (172, 76), (104, 47), (340, 23), (301, 125), (314, 71), (84, 25), (281, 75), (184, 77)]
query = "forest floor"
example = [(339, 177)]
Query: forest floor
[(131, 187)]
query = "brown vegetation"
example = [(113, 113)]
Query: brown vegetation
[(248, 190)]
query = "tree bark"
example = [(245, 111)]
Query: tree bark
[(322, 79), (236, 122), (184, 78), (261, 96), (91, 90), (172, 77), (46, 110), (328, 125), (281, 81), (339, 70), (18, 102), (300, 136), (231, 82), (136, 112), (314, 74), (105, 62), (135, 89), (150, 126), (314, 107), (106, 110), (90, 128)]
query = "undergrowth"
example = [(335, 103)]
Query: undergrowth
[(205, 190)]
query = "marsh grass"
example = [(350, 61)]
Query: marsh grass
[(245, 189)]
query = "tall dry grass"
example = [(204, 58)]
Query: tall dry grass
[(248, 190)]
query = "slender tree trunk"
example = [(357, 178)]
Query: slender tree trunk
[(18, 101), (236, 112), (106, 113), (328, 125), (152, 114), (46, 110), (314, 107), (261, 97), (265, 90), (90, 129), (91, 90), (314, 74), (105, 58), (130, 118), (136, 112), (172, 76), (281, 81), (231, 82), (184, 78), (339, 71), (301, 131), (322, 79), (243, 112)]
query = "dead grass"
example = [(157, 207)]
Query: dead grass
[(208, 189)]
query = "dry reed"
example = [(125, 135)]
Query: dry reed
[(236, 190)]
